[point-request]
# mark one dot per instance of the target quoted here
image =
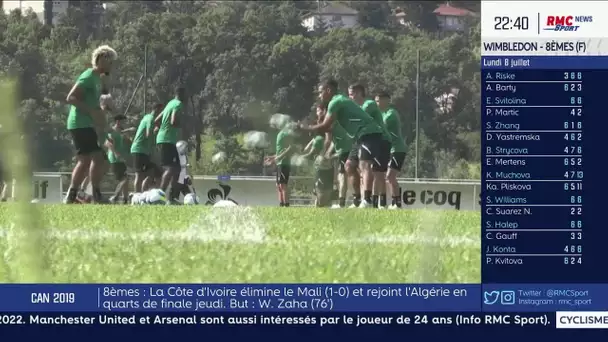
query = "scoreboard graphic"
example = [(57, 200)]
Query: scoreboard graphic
[(543, 195)]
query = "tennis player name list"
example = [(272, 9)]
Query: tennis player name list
[(531, 161)]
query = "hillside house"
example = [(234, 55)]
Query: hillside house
[(331, 15)]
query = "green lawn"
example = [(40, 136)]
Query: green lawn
[(197, 244)]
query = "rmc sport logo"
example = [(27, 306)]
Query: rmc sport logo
[(566, 23)]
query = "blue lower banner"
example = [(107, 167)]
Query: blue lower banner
[(302, 297)]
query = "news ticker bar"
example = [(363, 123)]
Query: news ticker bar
[(302, 297), (560, 320)]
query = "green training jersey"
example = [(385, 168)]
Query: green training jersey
[(355, 121), (89, 83), (142, 143), (120, 146), (371, 108), (393, 126), (284, 140), (317, 144), (167, 133), (342, 141)]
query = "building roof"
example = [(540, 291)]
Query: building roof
[(445, 10), (449, 10), (333, 8)]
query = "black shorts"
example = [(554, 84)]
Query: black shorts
[(179, 188), (353, 155), (342, 162), (168, 155), (184, 189), (396, 162), (283, 172), (374, 148), (143, 163), (119, 170), (85, 140)]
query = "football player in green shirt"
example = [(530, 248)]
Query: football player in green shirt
[(105, 103), (341, 148), (324, 170), (167, 123), (392, 123), (374, 149), (357, 93), (118, 150), (282, 159), (86, 121), (141, 150)]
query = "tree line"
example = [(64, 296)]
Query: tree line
[(241, 62)]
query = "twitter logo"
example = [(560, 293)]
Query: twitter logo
[(491, 297)]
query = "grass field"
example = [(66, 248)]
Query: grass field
[(197, 244)]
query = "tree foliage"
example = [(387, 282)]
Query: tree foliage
[(244, 61)]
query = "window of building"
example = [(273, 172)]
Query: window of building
[(452, 21)]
